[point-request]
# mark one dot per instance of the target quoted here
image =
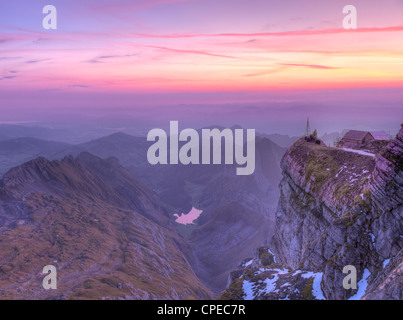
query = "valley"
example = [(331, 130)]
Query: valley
[(237, 210)]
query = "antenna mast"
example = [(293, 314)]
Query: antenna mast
[(308, 129)]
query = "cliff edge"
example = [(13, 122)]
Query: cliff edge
[(337, 207)]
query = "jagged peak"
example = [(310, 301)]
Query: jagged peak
[(90, 177), (68, 174)]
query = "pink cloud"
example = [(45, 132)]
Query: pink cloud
[(274, 34), (264, 73), (138, 5), (313, 66), (192, 52), (285, 65)]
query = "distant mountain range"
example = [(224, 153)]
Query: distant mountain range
[(282, 140), (16, 151), (11, 131), (286, 141)]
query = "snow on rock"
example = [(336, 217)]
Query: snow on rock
[(372, 238), (363, 153), (276, 283), (362, 286), (247, 287), (316, 287), (248, 263), (274, 257)]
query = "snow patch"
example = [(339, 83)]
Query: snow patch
[(247, 287), (274, 257), (363, 153), (372, 238), (271, 283), (362, 286), (316, 288), (248, 263)]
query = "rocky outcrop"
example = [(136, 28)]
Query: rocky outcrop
[(340, 208), (261, 278)]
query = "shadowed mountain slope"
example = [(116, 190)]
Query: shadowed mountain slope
[(104, 231)]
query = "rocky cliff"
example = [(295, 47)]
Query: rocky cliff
[(337, 208)]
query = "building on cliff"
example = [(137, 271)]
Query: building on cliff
[(380, 135), (356, 138), (336, 209)]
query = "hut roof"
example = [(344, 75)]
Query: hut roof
[(379, 135), (355, 135)]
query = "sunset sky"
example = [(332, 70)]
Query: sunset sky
[(237, 59)]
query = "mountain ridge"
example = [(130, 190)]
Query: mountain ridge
[(73, 214)]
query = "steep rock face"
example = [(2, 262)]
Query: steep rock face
[(336, 208), (386, 186), (341, 208)]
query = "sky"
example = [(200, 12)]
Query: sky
[(259, 63)]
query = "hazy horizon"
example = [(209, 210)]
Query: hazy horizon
[(260, 64), (76, 133)]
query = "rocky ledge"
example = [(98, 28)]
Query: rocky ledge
[(337, 208)]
